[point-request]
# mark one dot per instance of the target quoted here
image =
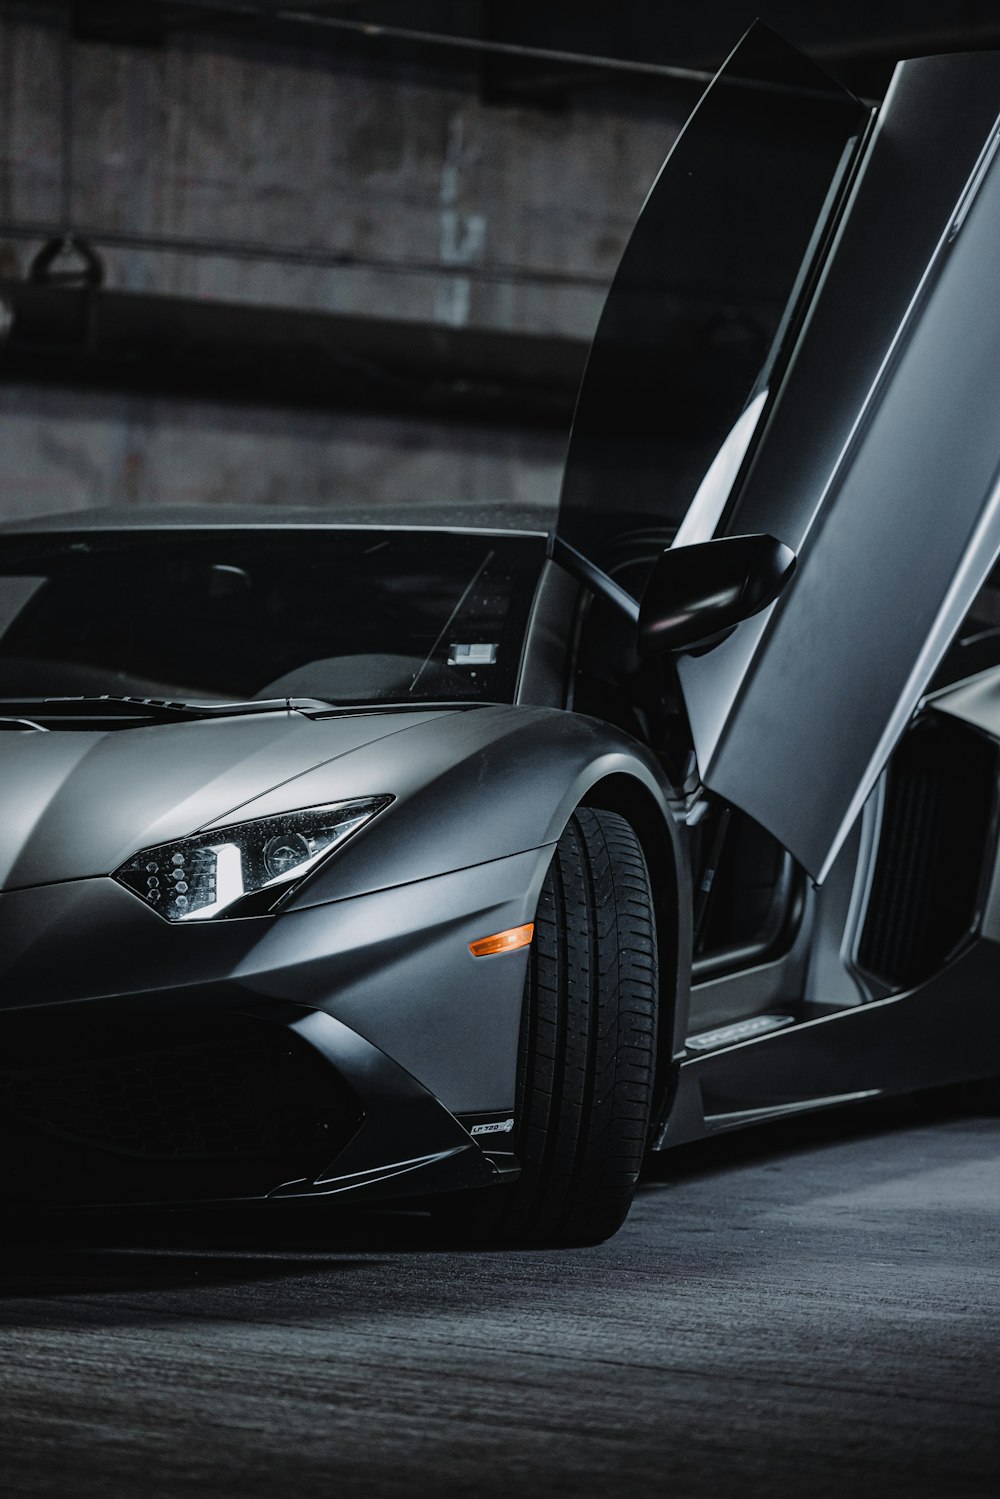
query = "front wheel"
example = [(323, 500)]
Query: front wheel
[(588, 1046)]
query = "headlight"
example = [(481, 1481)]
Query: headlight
[(245, 868)]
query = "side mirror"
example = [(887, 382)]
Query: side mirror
[(696, 592)]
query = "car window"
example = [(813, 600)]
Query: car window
[(352, 615), (700, 314)]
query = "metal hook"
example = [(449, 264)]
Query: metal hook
[(81, 264)]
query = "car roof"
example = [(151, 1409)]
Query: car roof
[(241, 517)]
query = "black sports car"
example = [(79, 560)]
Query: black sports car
[(388, 861)]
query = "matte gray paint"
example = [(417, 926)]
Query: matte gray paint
[(878, 470), (378, 937), (394, 966), (943, 1031), (80, 803), (375, 948), (481, 784), (544, 678), (399, 1112), (892, 1045), (470, 787)]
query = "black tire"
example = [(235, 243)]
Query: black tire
[(588, 1047)]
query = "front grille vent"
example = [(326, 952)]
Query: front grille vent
[(936, 828), (247, 1097)]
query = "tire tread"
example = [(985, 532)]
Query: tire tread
[(588, 1044)]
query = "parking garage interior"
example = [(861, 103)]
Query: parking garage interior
[(350, 256)]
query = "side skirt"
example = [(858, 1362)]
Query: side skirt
[(946, 1031)]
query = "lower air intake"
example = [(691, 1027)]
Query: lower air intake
[(217, 1100)]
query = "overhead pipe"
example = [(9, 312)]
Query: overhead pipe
[(81, 333)]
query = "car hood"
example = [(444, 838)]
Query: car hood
[(79, 803)]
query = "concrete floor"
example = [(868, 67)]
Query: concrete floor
[(809, 1311)]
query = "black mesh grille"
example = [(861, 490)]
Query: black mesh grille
[(936, 825), (247, 1097)]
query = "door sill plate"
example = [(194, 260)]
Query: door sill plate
[(740, 1030)]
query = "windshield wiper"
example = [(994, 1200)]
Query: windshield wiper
[(158, 710), (452, 616)]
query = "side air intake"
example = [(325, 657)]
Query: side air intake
[(936, 828)]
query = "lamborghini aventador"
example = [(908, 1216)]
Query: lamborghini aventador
[(471, 866)]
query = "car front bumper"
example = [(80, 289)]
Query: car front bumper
[(342, 1050)]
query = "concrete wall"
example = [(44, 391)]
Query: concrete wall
[(447, 208), (63, 450)]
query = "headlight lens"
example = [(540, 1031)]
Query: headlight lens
[(219, 873)]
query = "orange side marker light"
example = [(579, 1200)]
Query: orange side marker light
[(508, 941)]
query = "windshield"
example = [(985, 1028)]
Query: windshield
[(352, 615)]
